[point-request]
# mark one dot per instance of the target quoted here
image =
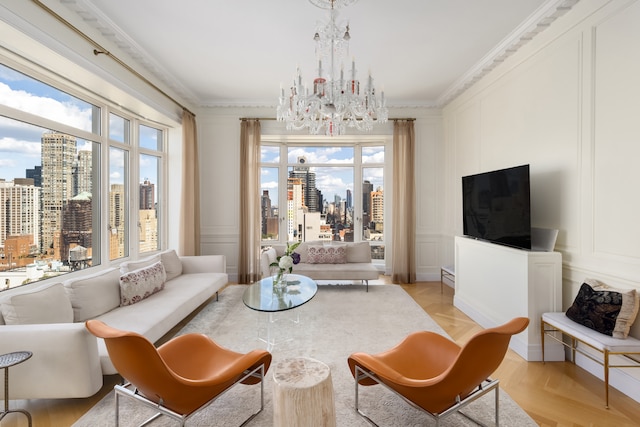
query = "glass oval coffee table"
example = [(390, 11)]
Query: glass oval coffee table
[(264, 297)]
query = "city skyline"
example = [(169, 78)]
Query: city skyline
[(333, 166), (49, 218)]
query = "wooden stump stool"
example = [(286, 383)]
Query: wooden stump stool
[(303, 394)]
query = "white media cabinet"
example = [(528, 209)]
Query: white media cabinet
[(496, 283)]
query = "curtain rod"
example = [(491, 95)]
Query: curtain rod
[(98, 49), (409, 119)]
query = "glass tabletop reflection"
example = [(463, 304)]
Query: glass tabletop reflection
[(262, 296)]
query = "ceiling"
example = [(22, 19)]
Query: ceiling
[(239, 53)]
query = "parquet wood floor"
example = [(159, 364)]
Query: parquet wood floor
[(554, 394), (557, 394)]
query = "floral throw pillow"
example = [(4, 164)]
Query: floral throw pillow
[(142, 283), (319, 254), (628, 310)]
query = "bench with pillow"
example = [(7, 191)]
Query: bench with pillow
[(597, 326), (327, 261)]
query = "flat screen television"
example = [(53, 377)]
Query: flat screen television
[(497, 206)]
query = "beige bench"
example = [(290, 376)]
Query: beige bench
[(447, 272), (356, 265), (558, 325)]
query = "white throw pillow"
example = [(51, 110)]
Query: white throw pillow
[(172, 264), (140, 284), (128, 266), (358, 252), (48, 304), (94, 295)]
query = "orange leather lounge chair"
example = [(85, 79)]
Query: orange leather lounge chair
[(181, 376), (433, 373)]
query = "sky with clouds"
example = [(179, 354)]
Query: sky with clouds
[(20, 141), (333, 167)]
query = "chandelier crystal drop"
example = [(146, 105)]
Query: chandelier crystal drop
[(333, 104)]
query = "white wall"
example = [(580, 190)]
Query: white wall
[(219, 142), (567, 104)]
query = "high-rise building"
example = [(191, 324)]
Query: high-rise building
[(319, 199), (265, 210), (19, 209), (367, 188), (308, 180), (377, 209), (35, 174), (58, 152), (82, 169), (147, 195), (117, 223), (148, 236), (295, 207), (269, 217)]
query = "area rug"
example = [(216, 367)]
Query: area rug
[(338, 321)]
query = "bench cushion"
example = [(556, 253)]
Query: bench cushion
[(46, 304), (94, 294), (596, 339), (348, 271)]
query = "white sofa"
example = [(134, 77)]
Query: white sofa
[(326, 261), (69, 362)]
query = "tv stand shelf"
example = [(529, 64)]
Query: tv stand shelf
[(496, 283)]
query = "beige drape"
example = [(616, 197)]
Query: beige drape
[(249, 256), (190, 202), (403, 266)]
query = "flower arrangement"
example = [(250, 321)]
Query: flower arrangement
[(285, 262)]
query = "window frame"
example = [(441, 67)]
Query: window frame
[(355, 141), (101, 136)]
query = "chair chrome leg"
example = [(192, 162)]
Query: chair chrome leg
[(360, 375), (497, 406), (259, 374), (126, 391), (481, 390), (117, 408)]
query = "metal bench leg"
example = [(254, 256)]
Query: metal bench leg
[(606, 379), (542, 338)]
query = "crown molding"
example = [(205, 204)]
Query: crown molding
[(114, 34), (537, 23), (534, 25)]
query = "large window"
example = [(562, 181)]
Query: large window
[(150, 162), (56, 151), (309, 193)]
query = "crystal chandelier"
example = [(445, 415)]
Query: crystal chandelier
[(334, 103)]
